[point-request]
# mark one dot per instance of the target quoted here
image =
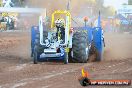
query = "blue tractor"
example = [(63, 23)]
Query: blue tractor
[(61, 42)]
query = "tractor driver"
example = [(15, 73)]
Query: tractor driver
[(59, 23)]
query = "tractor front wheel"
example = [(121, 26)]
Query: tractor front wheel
[(35, 61), (66, 58), (36, 55)]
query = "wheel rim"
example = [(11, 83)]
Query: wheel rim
[(86, 51)]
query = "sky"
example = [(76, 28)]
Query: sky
[(114, 3)]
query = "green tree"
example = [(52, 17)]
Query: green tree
[(124, 4), (129, 2)]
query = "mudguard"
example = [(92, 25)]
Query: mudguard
[(90, 34), (98, 41)]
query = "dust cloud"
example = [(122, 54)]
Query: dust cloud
[(52, 5), (118, 46)]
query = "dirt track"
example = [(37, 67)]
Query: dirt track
[(18, 71)]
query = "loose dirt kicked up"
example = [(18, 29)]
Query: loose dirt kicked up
[(18, 71)]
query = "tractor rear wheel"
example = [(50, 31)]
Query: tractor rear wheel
[(80, 46)]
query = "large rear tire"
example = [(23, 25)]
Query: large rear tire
[(80, 46)]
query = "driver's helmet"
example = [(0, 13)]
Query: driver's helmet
[(60, 22)]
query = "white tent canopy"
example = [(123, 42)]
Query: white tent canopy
[(22, 10)]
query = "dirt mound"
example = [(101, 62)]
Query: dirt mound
[(118, 46), (16, 44)]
